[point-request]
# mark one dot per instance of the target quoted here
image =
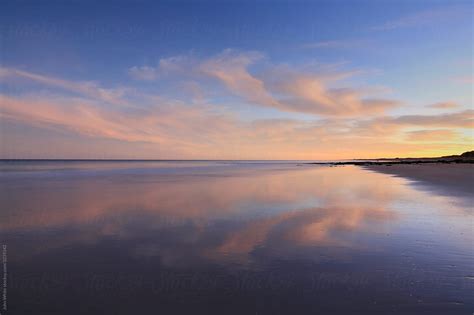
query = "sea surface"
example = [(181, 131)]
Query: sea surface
[(227, 237)]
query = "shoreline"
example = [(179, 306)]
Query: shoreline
[(453, 179), (447, 175), (464, 158), (388, 162)]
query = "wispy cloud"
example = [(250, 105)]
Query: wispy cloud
[(169, 124), (467, 79), (143, 73), (338, 44), (462, 119), (388, 126), (443, 105), (232, 69), (89, 89), (310, 93), (204, 131), (286, 89), (431, 135), (176, 64), (422, 18), (282, 87), (341, 116)]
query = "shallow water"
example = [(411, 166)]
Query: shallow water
[(231, 238)]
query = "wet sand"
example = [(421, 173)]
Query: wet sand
[(204, 237), (451, 179)]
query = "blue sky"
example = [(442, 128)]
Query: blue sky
[(318, 64)]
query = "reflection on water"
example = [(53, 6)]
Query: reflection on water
[(230, 238)]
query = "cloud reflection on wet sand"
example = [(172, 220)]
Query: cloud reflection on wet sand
[(219, 217)]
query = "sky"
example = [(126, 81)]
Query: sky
[(316, 80)]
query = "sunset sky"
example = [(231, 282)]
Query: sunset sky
[(228, 80)]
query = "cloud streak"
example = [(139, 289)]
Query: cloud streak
[(204, 132), (169, 128), (431, 135), (290, 90), (144, 73), (443, 105), (89, 89), (232, 70), (337, 44), (423, 18)]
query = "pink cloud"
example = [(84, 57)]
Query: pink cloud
[(290, 90), (89, 89), (386, 126), (444, 105), (422, 18), (203, 130), (431, 135), (311, 94), (232, 69), (468, 79)]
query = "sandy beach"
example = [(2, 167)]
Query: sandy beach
[(450, 179)]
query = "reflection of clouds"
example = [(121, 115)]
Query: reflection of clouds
[(171, 199), (307, 227), (208, 216)]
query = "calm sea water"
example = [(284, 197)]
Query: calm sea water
[(230, 238)]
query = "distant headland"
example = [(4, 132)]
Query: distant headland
[(466, 157)]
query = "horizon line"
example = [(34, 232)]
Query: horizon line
[(217, 160)]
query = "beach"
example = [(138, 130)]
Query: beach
[(226, 237), (237, 157), (449, 179)]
